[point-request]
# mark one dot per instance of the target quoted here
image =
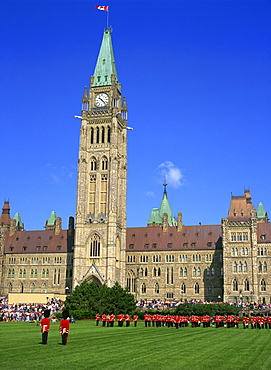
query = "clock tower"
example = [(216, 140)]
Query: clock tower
[(100, 233)]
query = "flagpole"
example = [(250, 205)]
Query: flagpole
[(107, 19)]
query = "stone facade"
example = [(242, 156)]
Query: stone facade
[(36, 261), (164, 260), (100, 241)]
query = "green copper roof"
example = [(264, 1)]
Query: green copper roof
[(165, 208), (261, 211), (105, 65), (156, 216), (52, 218), (18, 220)]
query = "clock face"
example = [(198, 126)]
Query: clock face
[(101, 100)]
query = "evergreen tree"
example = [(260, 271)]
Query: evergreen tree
[(90, 297)]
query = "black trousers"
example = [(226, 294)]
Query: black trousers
[(44, 337), (64, 338)]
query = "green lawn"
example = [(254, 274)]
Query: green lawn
[(91, 347)]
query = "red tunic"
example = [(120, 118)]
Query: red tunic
[(45, 324), (64, 326)]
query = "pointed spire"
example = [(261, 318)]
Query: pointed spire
[(51, 219), (157, 216), (261, 211), (18, 220), (105, 66), (5, 217)]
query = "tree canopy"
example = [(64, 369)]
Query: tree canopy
[(90, 297)]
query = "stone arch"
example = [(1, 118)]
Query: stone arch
[(94, 279)]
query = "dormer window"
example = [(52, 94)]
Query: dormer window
[(24, 248), (263, 236)]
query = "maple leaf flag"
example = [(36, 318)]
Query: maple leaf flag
[(102, 7)]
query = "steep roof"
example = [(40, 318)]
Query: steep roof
[(203, 237), (156, 217), (261, 211), (105, 65), (45, 241), (241, 208)]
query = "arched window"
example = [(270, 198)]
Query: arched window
[(143, 288), (181, 271), (246, 251), (104, 164), (263, 285), (208, 271), (146, 271), (21, 288), (159, 272), (196, 288), (108, 134), (243, 251), (246, 285), (141, 272), (245, 266), (264, 267), (264, 251), (93, 164), (156, 288), (213, 271), (183, 288), (91, 135), (199, 271), (185, 272), (95, 246), (194, 271), (235, 285), (260, 268), (240, 266), (102, 138), (154, 271), (97, 135)]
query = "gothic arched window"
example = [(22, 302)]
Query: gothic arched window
[(235, 285), (196, 288), (95, 246), (246, 285), (156, 288), (93, 164), (263, 285), (143, 288)]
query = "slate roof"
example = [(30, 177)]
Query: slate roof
[(205, 237)]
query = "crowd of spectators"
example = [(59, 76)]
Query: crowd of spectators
[(163, 305), (30, 312)]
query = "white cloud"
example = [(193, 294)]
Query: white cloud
[(150, 194), (171, 174)]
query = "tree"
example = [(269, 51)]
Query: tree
[(90, 297)]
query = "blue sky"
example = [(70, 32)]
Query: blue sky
[(197, 77)]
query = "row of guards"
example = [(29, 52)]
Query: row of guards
[(229, 321), (109, 320)]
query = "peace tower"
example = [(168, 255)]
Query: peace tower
[(100, 233)]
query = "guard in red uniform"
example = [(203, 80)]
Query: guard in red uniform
[(45, 326), (135, 318), (64, 327), (104, 319), (97, 318)]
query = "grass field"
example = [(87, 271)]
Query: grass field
[(91, 347)]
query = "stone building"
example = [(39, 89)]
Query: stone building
[(164, 260), (35, 261)]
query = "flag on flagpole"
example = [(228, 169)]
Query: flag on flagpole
[(102, 7)]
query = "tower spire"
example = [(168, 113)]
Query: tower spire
[(105, 66)]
